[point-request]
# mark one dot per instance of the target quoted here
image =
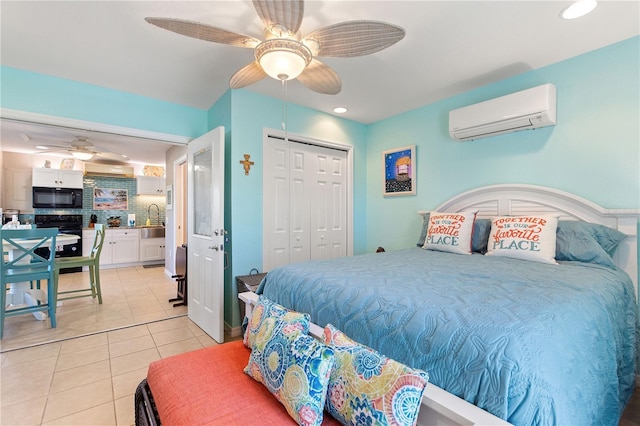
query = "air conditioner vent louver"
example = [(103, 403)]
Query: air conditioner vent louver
[(529, 109), (108, 170)]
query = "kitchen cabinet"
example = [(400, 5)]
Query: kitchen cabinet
[(152, 249), (88, 235), (57, 178), (120, 245), (17, 189), (150, 185)]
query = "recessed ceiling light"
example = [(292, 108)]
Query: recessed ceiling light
[(42, 147), (339, 110), (578, 8)]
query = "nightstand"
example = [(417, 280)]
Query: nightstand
[(248, 283)]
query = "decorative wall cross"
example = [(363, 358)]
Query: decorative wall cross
[(247, 164)]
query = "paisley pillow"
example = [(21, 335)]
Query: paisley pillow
[(264, 317), (368, 388), (295, 368)]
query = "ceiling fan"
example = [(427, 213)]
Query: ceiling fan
[(285, 54), (82, 149)]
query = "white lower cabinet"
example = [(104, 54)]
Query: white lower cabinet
[(123, 246), (152, 249), (120, 245)]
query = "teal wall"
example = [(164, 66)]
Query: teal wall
[(251, 113), (593, 151), (43, 94)]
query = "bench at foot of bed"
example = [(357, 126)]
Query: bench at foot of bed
[(208, 386)]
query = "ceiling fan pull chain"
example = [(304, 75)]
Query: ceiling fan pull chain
[(284, 109)]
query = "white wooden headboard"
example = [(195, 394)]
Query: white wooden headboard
[(517, 199)]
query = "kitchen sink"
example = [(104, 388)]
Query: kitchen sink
[(152, 232)]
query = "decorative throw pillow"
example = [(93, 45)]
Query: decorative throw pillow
[(295, 368), (524, 237), (368, 388), (481, 230), (587, 242), (450, 232), (423, 232), (263, 319)]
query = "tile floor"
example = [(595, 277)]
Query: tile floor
[(133, 295), (89, 380)]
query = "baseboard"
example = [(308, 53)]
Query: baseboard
[(232, 331)]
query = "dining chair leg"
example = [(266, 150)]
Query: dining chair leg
[(56, 276), (92, 281), (3, 307), (94, 272), (52, 298)]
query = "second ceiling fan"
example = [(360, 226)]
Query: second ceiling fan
[(285, 54)]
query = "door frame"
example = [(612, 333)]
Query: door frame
[(180, 193), (293, 137)]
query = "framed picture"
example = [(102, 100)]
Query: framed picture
[(110, 199), (169, 197), (399, 171)]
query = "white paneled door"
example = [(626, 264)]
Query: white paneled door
[(205, 224), (305, 203)]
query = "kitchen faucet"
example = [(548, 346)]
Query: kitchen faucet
[(157, 212)]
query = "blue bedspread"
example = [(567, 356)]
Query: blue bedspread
[(529, 342)]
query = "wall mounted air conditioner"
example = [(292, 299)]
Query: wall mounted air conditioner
[(108, 170), (528, 109)]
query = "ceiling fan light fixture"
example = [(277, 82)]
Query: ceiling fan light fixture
[(84, 156), (578, 9), (283, 59)]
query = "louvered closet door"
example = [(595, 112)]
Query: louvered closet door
[(304, 203)]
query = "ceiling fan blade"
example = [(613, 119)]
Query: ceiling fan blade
[(287, 13), (247, 75), (204, 32), (354, 38), (320, 78)]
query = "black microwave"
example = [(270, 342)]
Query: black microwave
[(57, 198)]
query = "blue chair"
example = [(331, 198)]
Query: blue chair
[(24, 264)]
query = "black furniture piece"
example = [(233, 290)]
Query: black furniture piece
[(248, 283), (181, 277)]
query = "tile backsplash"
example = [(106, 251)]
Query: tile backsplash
[(137, 204)]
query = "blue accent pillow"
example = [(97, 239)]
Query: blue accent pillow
[(480, 237), (587, 242), (423, 233)]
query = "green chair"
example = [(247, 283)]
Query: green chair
[(92, 261), (23, 264)]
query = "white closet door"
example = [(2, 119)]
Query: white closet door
[(304, 203), (300, 175), (275, 201), (327, 178)]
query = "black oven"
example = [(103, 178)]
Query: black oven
[(57, 198), (66, 224)]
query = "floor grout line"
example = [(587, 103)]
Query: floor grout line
[(64, 339)]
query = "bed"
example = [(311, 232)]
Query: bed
[(529, 342)]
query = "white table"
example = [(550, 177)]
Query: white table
[(20, 294)]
